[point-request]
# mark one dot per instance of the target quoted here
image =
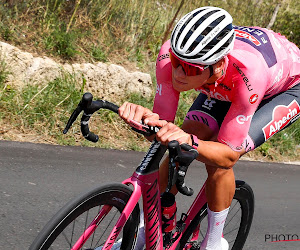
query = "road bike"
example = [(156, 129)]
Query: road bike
[(110, 214)]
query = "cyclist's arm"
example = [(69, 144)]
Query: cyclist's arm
[(166, 98), (212, 153)]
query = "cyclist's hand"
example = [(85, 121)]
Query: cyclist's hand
[(169, 132), (130, 111)]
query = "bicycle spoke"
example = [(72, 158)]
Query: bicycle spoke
[(227, 223), (72, 233), (66, 238), (95, 230), (231, 231), (106, 229)]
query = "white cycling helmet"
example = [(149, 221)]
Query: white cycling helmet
[(203, 36)]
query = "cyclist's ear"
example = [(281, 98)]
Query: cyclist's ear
[(219, 66)]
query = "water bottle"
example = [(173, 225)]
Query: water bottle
[(169, 209)]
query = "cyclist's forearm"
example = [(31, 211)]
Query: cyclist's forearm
[(217, 154)]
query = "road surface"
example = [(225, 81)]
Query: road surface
[(36, 180)]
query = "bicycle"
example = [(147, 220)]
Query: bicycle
[(110, 213)]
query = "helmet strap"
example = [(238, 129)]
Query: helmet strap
[(211, 70)]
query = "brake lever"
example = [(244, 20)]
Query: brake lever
[(85, 101), (184, 159), (73, 118)]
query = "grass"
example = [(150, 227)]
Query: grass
[(43, 111)]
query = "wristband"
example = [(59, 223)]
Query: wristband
[(195, 141)]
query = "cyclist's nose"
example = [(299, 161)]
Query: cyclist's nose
[(179, 72)]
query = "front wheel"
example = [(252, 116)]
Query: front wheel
[(237, 224), (66, 227)]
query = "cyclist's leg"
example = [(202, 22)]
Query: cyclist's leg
[(273, 115), (203, 120)]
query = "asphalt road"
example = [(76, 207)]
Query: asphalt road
[(36, 180)]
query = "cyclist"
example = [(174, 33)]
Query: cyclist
[(248, 78)]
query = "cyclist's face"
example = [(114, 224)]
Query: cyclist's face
[(183, 82)]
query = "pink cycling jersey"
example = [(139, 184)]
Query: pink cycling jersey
[(261, 64)]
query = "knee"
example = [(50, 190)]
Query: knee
[(218, 174)]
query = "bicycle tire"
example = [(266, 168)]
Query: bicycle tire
[(115, 195), (245, 198)]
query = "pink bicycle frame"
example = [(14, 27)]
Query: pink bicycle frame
[(145, 182)]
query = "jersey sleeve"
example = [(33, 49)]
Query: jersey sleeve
[(166, 98), (250, 85)]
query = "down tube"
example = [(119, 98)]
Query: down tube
[(134, 198), (152, 210)]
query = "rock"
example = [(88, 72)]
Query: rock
[(105, 80)]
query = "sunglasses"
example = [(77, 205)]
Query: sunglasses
[(189, 68)]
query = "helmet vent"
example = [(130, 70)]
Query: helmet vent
[(194, 27)]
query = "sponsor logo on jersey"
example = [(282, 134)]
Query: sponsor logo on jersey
[(208, 104), (259, 40), (215, 95), (158, 88), (282, 116), (246, 35), (244, 77), (241, 119), (163, 56), (225, 87), (279, 75), (253, 98)]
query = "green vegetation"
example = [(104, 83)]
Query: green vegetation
[(122, 32), (132, 30)]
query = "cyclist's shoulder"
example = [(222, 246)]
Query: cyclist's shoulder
[(163, 54), (245, 66), (264, 43), (244, 76), (163, 64)]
